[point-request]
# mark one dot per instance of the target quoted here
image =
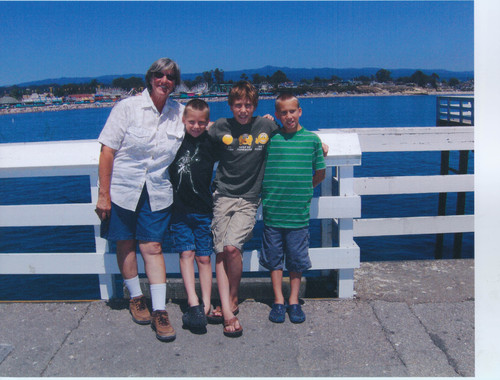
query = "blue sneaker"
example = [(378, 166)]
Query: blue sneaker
[(296, 314), (277, 313)]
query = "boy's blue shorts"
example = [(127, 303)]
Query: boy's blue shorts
[(141, 224), (285, 245), (191, 232)]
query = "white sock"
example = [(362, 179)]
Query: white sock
[(158, 295), (134, 286)]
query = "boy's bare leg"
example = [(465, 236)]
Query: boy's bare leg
[(295, 278), (186, 263), (127, 258), (205, 274), (223, 283), (154, 263), (277, 281), (234, 268)]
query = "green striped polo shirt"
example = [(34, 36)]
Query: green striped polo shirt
[(287, 189)]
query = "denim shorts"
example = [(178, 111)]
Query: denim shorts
[(289, 245), (191, 232), (141, 224)]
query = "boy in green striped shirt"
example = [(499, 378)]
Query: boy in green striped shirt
[(294, 166)]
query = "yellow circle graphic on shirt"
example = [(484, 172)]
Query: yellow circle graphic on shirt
[(227, 139), (262, 139)]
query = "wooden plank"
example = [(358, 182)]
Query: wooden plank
[(344, 148), (74, 214), (414, 184), (413, 225), (52, 263), (50, 154), (416, 139), (48, 171), (331, 207), (98, 263)]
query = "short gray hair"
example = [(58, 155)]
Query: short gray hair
[(161, 65)]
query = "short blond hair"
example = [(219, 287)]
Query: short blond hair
[(284, 97)]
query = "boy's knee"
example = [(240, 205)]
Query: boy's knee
[(231, 251), (186, 255), (203, 260)]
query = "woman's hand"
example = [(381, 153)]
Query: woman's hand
[(103, 206)]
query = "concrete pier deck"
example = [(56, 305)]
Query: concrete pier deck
[(408, 319)]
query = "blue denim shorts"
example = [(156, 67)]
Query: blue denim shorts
[(191, 232), (141, 224), (285, 245)]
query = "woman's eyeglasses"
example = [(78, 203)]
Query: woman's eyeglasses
[(159, 75)]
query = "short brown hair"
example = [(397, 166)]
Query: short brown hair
[(284, 96), (243, 89), (197, 104)]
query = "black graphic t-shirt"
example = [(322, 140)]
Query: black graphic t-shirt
[(191, 174), (242, 154)]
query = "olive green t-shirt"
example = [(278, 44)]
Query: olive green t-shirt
[(242, 152)]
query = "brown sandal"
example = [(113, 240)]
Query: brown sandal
[(215, 317), (232, 322)]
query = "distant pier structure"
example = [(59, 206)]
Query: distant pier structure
[(453, 111)]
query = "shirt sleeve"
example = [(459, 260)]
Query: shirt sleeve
[(115, 128)]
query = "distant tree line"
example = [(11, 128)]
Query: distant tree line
[(216, 77), (418, 78)]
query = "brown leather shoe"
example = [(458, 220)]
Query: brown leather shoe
[(160, 323), (139, 310)]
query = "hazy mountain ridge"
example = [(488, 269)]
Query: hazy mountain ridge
[(294, 74)]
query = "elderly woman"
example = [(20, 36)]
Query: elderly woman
[(139, 141)]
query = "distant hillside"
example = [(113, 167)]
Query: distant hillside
[(291, 73)]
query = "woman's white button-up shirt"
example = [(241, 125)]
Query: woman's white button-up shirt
[(146, 143)]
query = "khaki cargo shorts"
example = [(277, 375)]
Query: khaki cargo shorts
[(233, 221)]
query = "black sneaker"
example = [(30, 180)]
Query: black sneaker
[(194, 317)]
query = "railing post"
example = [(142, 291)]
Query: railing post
[(107, 286), (445, 168), (445, 165), (462, 169), (327, 224), (346, 233)]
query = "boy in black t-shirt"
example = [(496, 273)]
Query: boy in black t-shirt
[(191, 176)]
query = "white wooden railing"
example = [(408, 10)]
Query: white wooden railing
[(340, 213), (415, 140), (71, 158), (455, 110)]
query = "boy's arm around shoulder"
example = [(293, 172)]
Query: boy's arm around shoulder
[(319, 162), (318, 177)]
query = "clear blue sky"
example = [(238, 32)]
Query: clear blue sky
[(40, 40)]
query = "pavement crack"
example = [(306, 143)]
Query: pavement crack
[(387, 334), (64, 340), (439, 343)]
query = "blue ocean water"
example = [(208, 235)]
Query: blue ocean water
[(318, 113)]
